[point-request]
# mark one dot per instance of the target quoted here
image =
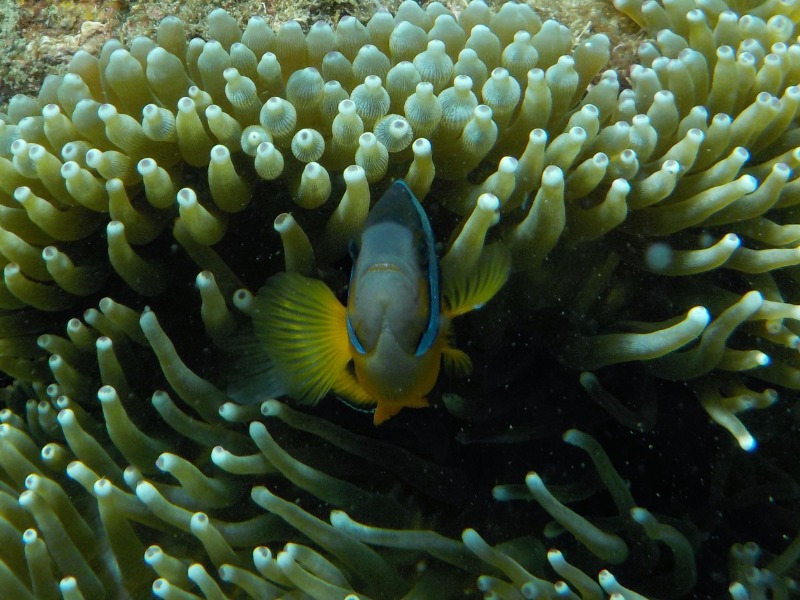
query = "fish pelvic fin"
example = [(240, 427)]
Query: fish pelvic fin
[(302, 328), (347, 386), (386, 410), (463, 292), (456, 363)]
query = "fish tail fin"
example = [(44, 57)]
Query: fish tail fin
[(302, 328), (463, 292)]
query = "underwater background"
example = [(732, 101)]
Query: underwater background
[(628, 429)]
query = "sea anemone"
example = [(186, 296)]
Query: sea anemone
[(652, 220)]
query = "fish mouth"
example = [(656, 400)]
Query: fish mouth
[(384, 266)]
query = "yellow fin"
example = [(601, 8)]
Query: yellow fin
[(302, 327), (347, 386), (386, 410), (250, 373), (465, 292), (457, 363)]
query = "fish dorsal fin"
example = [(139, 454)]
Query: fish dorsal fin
[(464, 292), (301, 326)]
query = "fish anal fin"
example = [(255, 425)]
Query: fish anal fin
[(302, 328), (463, 292)]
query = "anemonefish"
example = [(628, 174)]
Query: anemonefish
[(386, 347)]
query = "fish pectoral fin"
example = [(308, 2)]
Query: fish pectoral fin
[(463, 292), (250, 373), (302, 328), (456, 363)]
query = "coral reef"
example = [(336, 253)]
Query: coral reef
[(651, 319)]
